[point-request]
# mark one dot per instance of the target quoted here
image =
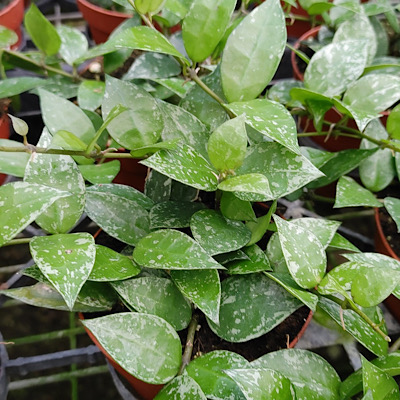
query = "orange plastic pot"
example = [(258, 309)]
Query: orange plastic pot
[(101, 21), (132, 173), (4, 134), (11, 17), (148, 391)]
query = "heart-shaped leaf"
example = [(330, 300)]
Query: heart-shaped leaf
[(182, 387), (146, 346), (257, 262), (7, 37), (170, 249), (66, 260), (90, 94)]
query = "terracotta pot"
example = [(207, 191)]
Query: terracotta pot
[(149, 391), (383, 247), (101, 22), (131, 173), (296, 28), (4, 134), (12, 17)]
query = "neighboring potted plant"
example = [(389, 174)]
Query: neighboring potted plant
[(11, 16), (203, 254)]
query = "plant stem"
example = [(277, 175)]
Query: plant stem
[(298, 53), (73, 368), (17, 241), (351, 215), (187, 354), (144, 18), (42, 66), (310, 134), (395, 346)]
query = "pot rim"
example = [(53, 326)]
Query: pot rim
[(97, 9), (382, 237), (13, 4)]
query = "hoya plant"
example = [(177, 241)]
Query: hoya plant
[(204, 246)]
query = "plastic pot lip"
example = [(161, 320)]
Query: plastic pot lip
[(309, 34), (380, 236), (13, 5), (96, 9)]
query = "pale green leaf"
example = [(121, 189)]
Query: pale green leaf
[(90, 94), (182, 387), (73, 43), (100, 173), (13, 163), (392, 205)]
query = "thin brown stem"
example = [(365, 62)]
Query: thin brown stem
[(187, 354)]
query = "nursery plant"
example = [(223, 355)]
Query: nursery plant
[(205, 247)]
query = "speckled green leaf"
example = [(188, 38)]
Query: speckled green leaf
[(286, 171), (260, 384), (68, 141), (227, 144), (248, 187), (7, 37), (216, 234), (59, 172), (341, 164), (144, 345), (73, 43), (202, 287), (178, 86), (60, 114), (253, 51), (112, 266), (173, 214), (66, 260), (153, 65), (41, 31), (204, 26), (170, 249), (392, 205), (319, 381), (358, 27), (44, 295), (304, 254), (119, 216), (280, 92), (13, 86), (203, 106), (287, 282), (350, 194), (142, 124), (380, 383), (21, 203), (233, 208), (185, 165), (13, 163), (100, 173), (181, 388), (251, 305), (208, 371), (181, 125), (156, 296), (144, 151), (257, 262), (158, 186), (333, 68), (393, 123), (271, 119), (340, 242), (357, 327), (90, 94), (378, 170), (19, 125), (373, 93)]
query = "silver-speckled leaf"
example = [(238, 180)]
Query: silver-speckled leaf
[(233, 208), (112, 266), (21, 203), (253, 51), (260, 384), (59, 172), (285, 170), (100, 173), (333, 68), (202, 287), (156, 296), (182, 387), (373, 93), (13, 163), (185, 165), (376, 171), (318, 381), (357, 327), (73, 43), (216, 234), (157, 187), (340, 242), (304, 254), (173, 214), (170, 249), (350, 194), (251, 305), (392, 205), (208, 371), (142, 124), (144, 345), (257, 262), (271, 119), (66, 260), (122, 218)]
